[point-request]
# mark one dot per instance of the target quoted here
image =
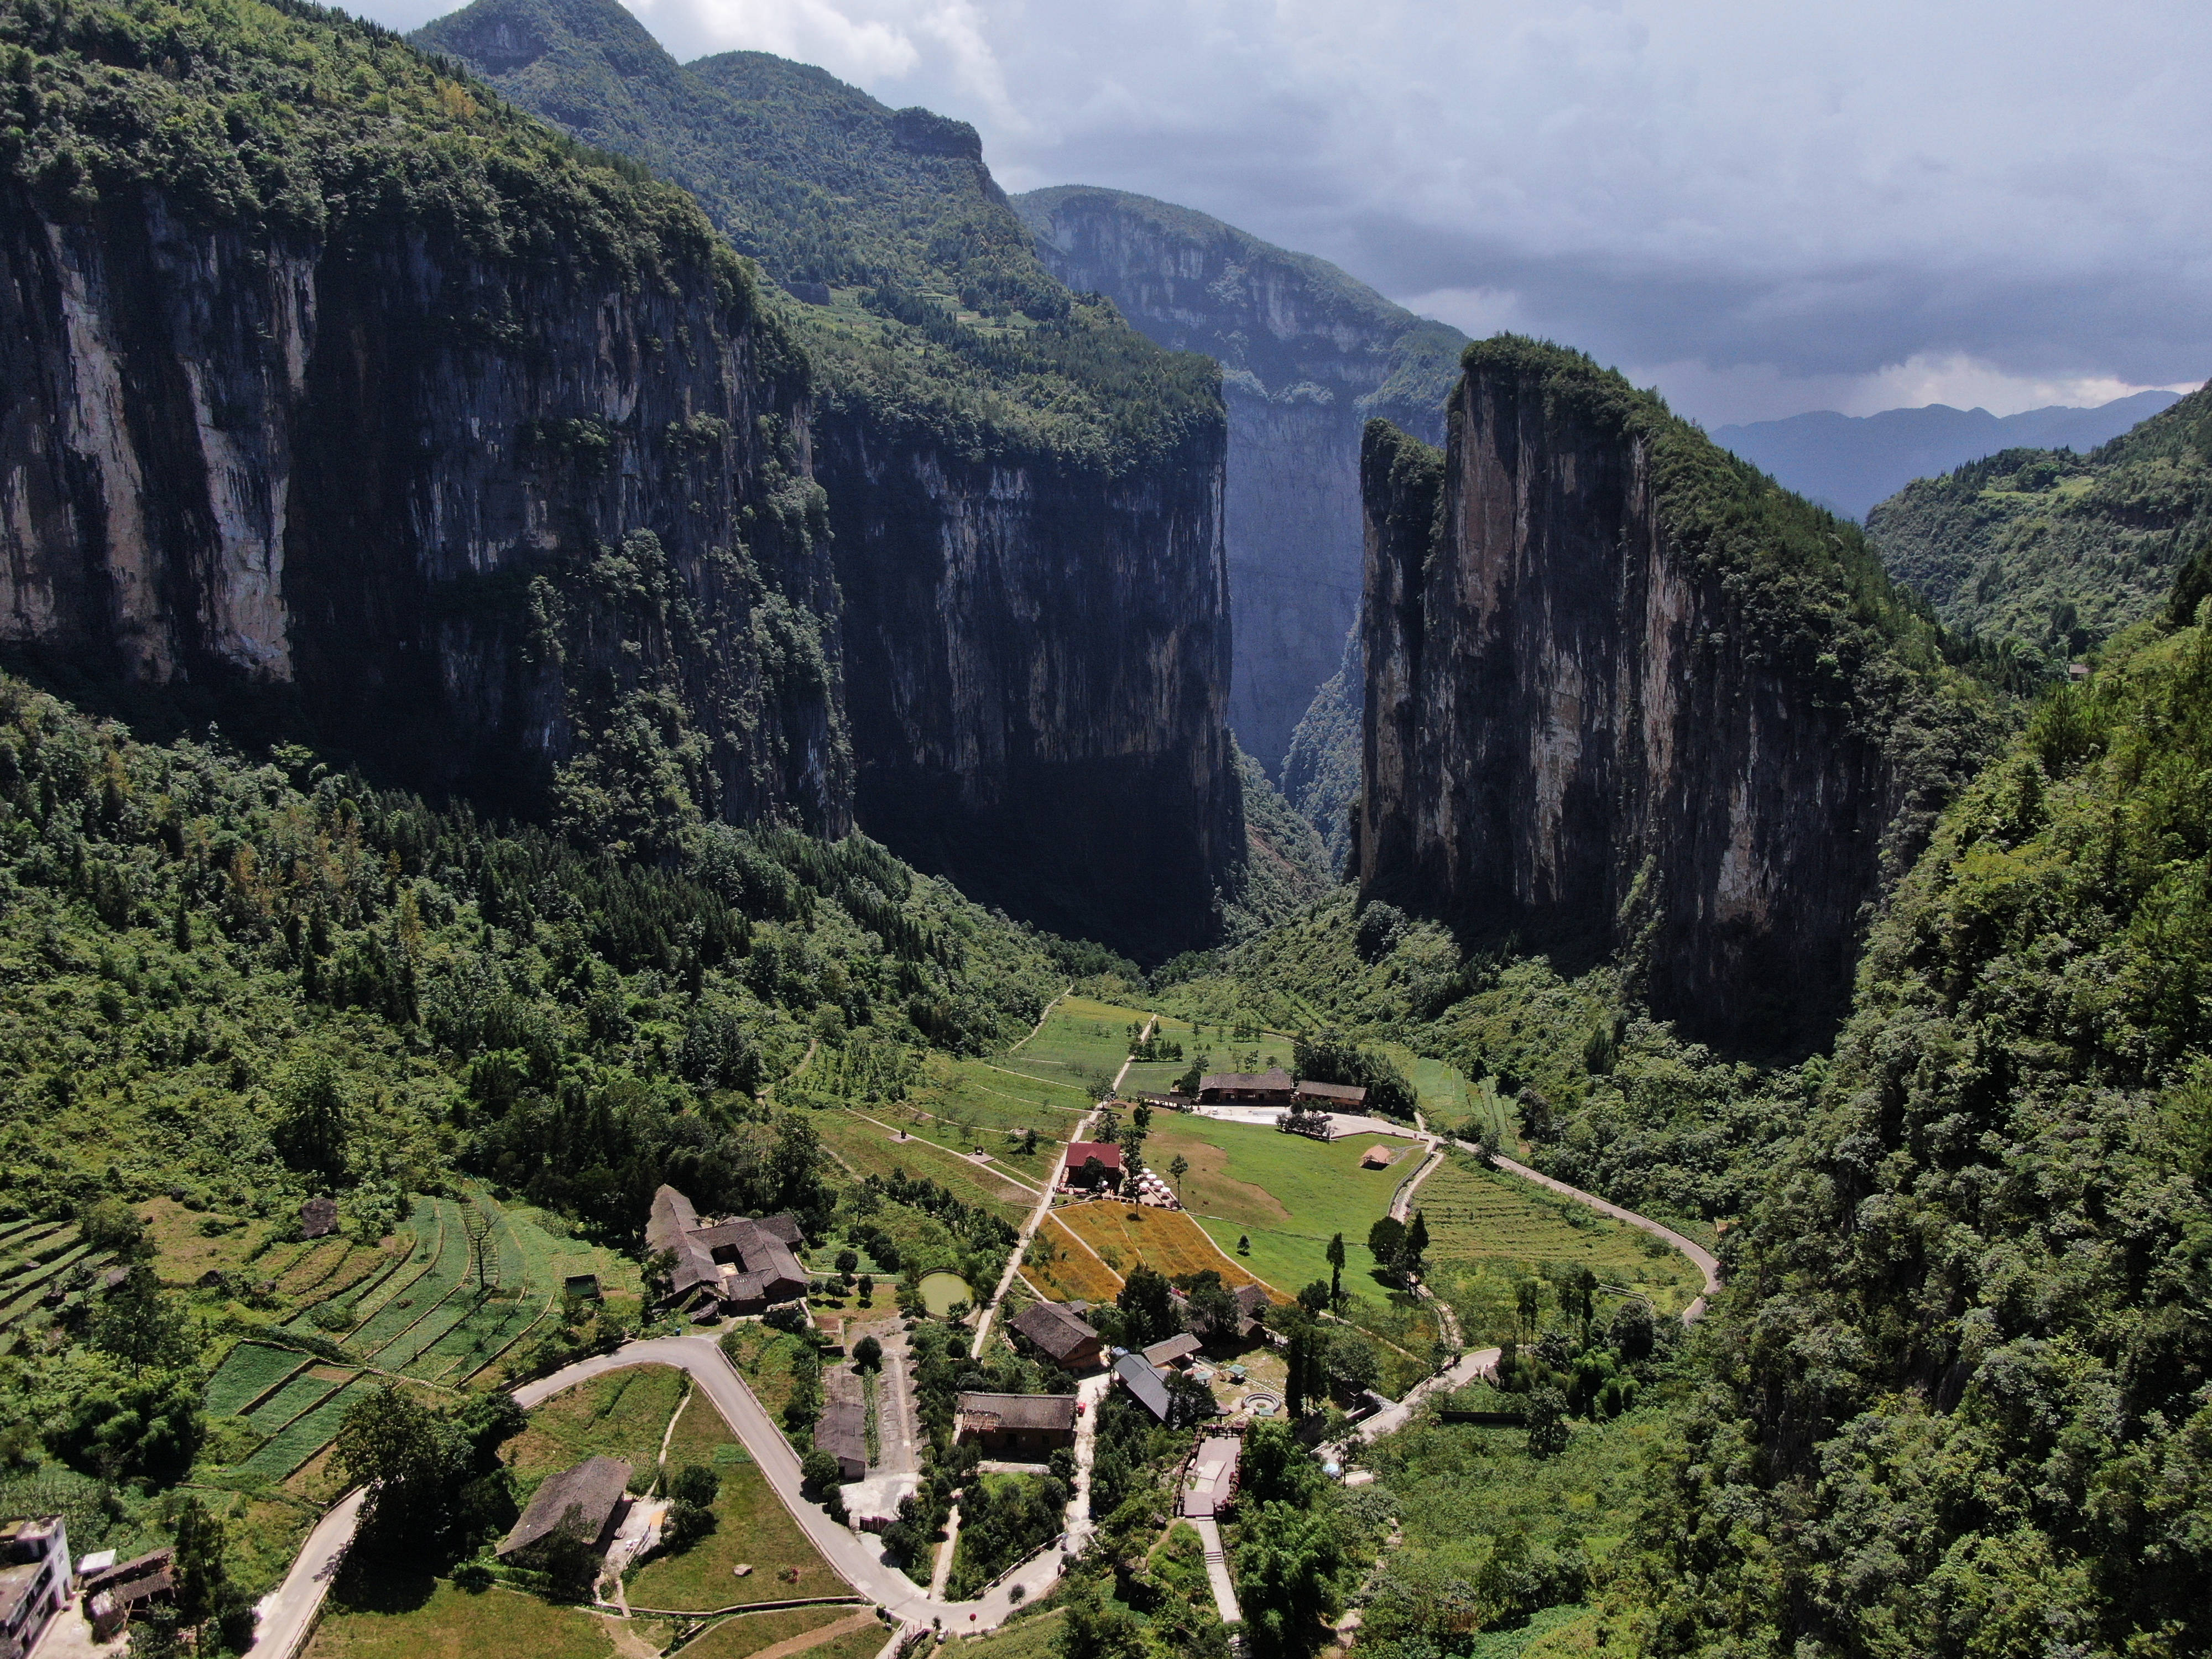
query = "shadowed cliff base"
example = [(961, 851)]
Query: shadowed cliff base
[(1060, 847), (1627, 699)]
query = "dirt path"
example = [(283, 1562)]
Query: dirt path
[(817, 1638)]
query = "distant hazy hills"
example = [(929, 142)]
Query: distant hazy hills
[(1849, 462)]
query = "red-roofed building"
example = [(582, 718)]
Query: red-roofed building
[(1082, 1154)]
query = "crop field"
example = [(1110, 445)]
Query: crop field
[(1081, 1041), (1489, 1231), (313, 1267), (751, 1525), (1257, 1177), (249, 1372), (1072, 1274), (865, 1149), (306, 1436), (437, 1266), (31, 1259), (1166, 1240)]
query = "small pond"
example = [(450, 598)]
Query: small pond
[(940, 1290)]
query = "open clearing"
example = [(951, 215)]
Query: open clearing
[(867, 1149), (752, 1632), (1166, 1240), (1489, 1230), (750, 1526), (1256, 1176), (1081, 1044), (453, 1624), (1223, 1050)]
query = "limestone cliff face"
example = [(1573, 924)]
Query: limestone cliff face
[(1597, 724), (399, 491), (1038, 665), (1309, 354)]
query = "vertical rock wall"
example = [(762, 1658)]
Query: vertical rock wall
[(1587, 736), (1308, 354), (1039, 662), (398, 491)]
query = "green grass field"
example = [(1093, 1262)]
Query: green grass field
[(752, 1632), (751, 1525), (1080, 1042), (1489, 1230), (867, 1149), (1258, 1176), (1037, 1636), (621, 1414), (453, 1624)]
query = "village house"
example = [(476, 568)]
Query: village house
[(1093, 1164), (1061, 1337), (34, 1580), (1376, 1157), (1016, 1425), (595, 1493), (1252, 1301), (1177, 1350), (1342, 1096), (842, 1429), (1144, 1383), (731, 1267), (1209, 1481), (1273, 1087), (115, 1592)]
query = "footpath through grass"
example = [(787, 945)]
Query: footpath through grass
[(1082, 1044), (621, 1414), (751, 1526)]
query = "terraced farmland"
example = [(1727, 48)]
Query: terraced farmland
[(306, 1434), (249, 1371), (1489, 1231), (33, 1257)]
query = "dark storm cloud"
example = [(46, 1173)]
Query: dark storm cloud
[(1765, 207)]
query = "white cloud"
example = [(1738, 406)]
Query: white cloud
[(1984, 199)]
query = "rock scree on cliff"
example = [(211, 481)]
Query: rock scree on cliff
[(1626, 696)]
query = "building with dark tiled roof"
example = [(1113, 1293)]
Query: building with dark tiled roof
[(1144, 1383), (1059, 1336), (1017, 1425), (1174, 1349), (594, 1495), (733, 1266), (1273, 1087), (843, 1432), (1331, 1094)]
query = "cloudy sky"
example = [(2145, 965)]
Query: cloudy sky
[(1763, 207)]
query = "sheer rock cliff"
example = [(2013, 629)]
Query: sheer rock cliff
[(1628, 700), (503, 526), (1308, 354)]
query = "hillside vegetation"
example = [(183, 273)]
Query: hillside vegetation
[(926, 304), (1965, 1363), (2056, 551)]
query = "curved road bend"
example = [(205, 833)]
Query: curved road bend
[(1481, 1360), (283, 1617)]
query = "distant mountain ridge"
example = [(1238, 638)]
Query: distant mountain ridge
[(1849, 462), (1308, 352)]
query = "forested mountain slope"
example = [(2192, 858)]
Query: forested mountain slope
[(1024, 492), (2056, 549), (359, 402), (1966, 1358), (1626, 696), (1849, 462), (1309, 352)]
